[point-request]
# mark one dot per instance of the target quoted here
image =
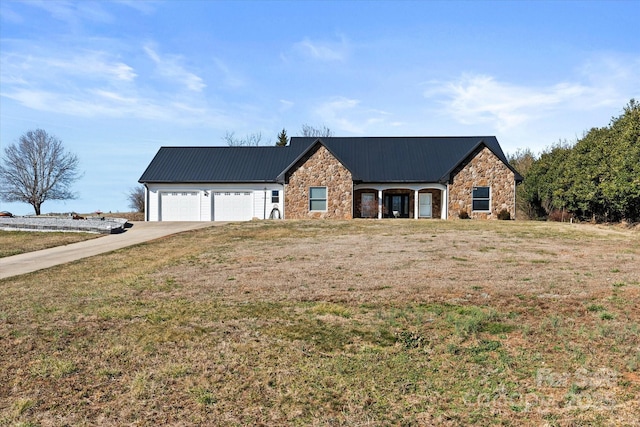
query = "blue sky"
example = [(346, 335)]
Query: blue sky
[(116, 80)]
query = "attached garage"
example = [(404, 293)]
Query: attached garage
[(233, 206), (216, 183), (180, 206)]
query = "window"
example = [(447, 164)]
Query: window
[(275, 196), (318, 198), (481, 199)]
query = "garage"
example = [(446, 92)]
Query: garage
[(232, 206), (180, 206)]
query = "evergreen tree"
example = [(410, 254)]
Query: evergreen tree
[(283, 139), (597, 179)]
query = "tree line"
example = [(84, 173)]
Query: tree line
[(255, 139), (595, 179)]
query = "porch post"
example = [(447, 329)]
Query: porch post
[(379, 204), (416, 204), (445, 203)]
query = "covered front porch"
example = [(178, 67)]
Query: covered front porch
[(400, 201)]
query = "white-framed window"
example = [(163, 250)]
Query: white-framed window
[(481, 199), (318, 198), (275, 196)]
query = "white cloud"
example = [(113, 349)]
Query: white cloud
[(474, 99), (92, 103), (145, 7), (535, 116), (98, 84), (9, 15), (322, 51), (83, 65), (73, 13), (286, 104), (345, 114), (229, 78), (170, 67), (482, 99)]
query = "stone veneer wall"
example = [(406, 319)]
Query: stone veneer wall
[(484, 169), (319, 168)]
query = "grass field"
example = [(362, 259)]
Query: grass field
[(332, 323), (18, 242)]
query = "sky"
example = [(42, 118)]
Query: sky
[(116, 80)]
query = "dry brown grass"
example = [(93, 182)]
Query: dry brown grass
[(332, 323), (130, 216), (18, 242)]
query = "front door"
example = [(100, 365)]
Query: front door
[(424, 201), (397, 205)]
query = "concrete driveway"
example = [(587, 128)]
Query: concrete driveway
[(139, 232)]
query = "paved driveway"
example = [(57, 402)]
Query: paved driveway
[(139, 232)]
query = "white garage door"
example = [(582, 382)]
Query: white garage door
[(233, 206), (180, 206)]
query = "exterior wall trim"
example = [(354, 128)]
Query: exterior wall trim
[(400, 186)]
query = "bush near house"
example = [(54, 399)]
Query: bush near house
[(596, 179)]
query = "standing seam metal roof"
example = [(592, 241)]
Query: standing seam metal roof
[(369, 159), (219, 164)]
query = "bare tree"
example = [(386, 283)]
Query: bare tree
[(36, 169), (136, 198), (250, 140), (324, 131)]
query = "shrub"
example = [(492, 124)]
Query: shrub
[(559, 216), (504, 215), (463, 215)]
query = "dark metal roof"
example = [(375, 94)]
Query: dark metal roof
[(403, 159), (219, 164), (369, 159)]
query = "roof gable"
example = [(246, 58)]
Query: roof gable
[(401, 159), (369, 159)]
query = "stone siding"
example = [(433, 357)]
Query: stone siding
[(319, 168), (482, 168)]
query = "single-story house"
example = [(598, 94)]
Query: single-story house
[(342, 178)]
